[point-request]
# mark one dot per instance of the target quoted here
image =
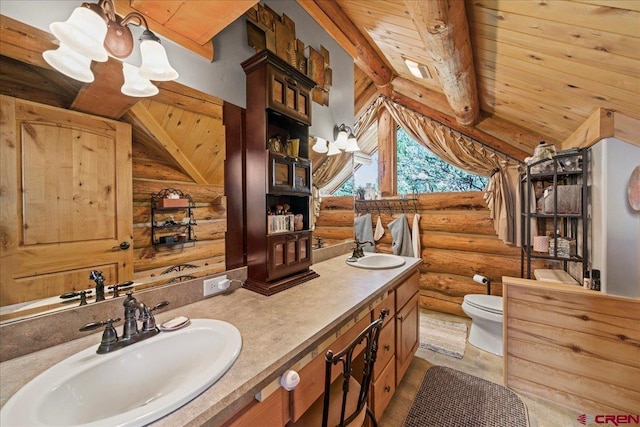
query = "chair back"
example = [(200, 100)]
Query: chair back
[(370, 337)]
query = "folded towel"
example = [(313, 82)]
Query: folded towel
[(415, 236), (364, 231), (401, 236), (379, 230)]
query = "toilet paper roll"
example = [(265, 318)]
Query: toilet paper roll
[(541, 244), (480, 279)]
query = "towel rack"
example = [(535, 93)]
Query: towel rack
[(408, 205)]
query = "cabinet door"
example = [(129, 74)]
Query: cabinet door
[(66, 200), (302, 176), (407, 338), (288, 97), (271, 412), (288, 253)]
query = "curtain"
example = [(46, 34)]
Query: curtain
[(502, 194)]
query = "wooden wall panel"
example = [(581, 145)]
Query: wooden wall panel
[(574, 346)]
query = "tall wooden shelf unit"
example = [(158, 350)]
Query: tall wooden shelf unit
[(564, 169), (278, 104)]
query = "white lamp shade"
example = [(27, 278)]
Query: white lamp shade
[(83, 32), (341, 140), (134, 85), (333, 149), (155, 64), (70, 63), (352, 144), (320, 146)]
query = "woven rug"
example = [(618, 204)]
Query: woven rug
[(450, 398), (445, 337)]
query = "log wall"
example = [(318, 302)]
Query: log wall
[(458, 240), (570, 345), (151, 173)]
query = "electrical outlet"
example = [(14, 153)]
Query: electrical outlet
[(211, 285)]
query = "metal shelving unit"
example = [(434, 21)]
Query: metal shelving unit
[(566, 168)]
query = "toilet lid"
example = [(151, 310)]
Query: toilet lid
[(490, 303)]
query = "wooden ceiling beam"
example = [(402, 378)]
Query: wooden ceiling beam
[(334, 21), (141, 117), (443, 28)]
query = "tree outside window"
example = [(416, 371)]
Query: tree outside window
[(419, 171)]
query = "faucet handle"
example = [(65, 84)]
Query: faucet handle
[(109, 336), (95, 325), (120, 287), (81, 294), (159, 305)]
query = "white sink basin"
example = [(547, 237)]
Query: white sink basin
[(377, 261), (133, 386)]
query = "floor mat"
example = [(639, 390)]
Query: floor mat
[(445, 337), (450, 398)]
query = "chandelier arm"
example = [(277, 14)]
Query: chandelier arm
[(108, 8), (142, 22)]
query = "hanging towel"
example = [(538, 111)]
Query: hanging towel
[(401, 236), (364, 231), (379, 230), (415, 236)]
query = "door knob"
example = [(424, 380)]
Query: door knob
[(122, 246)]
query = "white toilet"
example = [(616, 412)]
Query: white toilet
[(485, 312)]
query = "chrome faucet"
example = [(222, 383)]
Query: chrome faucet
[(130, 332), (358, 252)]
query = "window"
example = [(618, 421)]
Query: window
[(419, 171)]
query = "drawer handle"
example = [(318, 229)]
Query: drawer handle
[(291, 81), (387, 388), (387, 347)]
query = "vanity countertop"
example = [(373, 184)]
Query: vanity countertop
[(276, 331)]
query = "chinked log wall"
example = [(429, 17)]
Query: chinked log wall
[(151, 173), (458, 240)]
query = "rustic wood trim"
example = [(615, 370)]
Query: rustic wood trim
[(313, 9), (23, 42), (601, 124), (334, 21), (206, 50), (443, 28), (138, 113), (387, 154)]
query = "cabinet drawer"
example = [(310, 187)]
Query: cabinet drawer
[(386, 348), (312, 375), (272, 412), (387, 303), (407, 289), (383, 389)]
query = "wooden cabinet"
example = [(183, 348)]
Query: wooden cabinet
[(288, 95), (288, 253), (275, 181), (66, 200)]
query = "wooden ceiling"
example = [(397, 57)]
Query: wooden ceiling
[(542, 67), (522, 70)]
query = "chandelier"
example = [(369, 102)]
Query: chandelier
[(94, 32)]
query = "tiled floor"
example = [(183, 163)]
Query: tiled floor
[(475, 362)]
